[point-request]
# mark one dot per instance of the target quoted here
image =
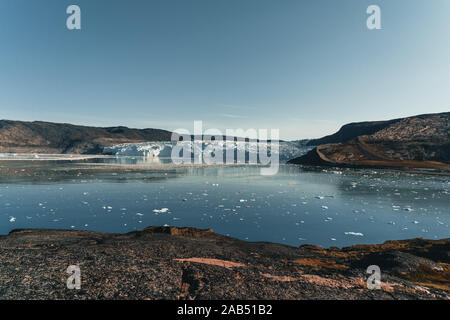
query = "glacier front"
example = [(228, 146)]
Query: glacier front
[(286, 150)]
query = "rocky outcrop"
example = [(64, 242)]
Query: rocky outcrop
[(188, 263), (47, 137), (415, 142)]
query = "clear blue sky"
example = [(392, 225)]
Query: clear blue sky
[(305, 67)]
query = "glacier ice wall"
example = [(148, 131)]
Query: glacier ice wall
[(287, 150)]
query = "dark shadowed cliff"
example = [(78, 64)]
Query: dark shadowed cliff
[(47, 137), (420, 142)]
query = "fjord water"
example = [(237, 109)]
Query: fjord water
[(297, 206)]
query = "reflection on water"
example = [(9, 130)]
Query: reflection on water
[(137, 160), (297, 206)]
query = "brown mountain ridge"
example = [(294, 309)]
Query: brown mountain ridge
[(421, 141), (47, 137)]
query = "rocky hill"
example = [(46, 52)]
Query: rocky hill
[(420, 141), (353, 130), (187, 263), (47, 137)]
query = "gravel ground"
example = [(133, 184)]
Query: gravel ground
[(187, 263)]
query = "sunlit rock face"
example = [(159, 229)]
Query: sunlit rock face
[(239, 151)]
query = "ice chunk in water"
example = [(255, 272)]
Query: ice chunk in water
[(351, 233)]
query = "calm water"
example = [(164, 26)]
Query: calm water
[(297, 206)]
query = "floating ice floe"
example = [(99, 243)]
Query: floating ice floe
[(357, 234), (163, 210)]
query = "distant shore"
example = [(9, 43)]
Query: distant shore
[(50, 157), (189, 263), (316, 158)]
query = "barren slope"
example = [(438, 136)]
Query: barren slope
[(419, 142), (47, 137)]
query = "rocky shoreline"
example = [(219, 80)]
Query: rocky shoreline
[(316, 158), (189, 263)]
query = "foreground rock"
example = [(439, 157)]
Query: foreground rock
[(187, 263), (415, 142)]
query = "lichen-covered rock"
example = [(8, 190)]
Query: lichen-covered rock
[(188, 263)]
